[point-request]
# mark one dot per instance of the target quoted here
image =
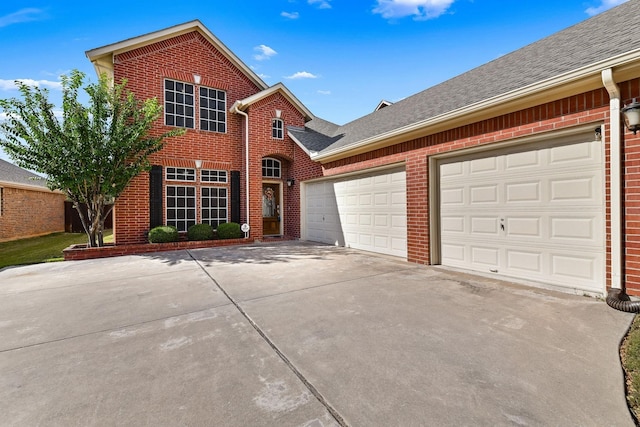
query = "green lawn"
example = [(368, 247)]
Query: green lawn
[(40, 249), (630, 355)]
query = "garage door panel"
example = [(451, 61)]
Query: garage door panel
[(484, 225), (523, 161), (485, 256), (539, 215), (575, 154), (483, 166), (573, 189), (519, 192), (372, 212), (484, 194), (524, 261), (452, 196)]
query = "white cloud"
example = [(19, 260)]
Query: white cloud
[(11, 84), (264, 52), (324, 92), (605, 5), (264, 76), (322, 4), (301, 75), (420, 9), (290, 15), (23, 15)]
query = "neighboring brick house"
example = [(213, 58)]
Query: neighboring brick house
[(27, 207), (519, 168)]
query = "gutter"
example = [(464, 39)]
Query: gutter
[(235, 109), (616, 297)]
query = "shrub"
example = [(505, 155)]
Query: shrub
[(200, 232), (229, 230), (163, 234)]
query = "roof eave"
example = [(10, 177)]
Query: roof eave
[(21, 186), (584, 79)]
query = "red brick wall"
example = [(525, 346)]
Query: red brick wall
[(179, 59), (27, 213), (295, 163)]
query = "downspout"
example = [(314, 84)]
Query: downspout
[(235, 109), (616, 297)]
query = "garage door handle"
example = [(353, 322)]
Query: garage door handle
[(502, 224)]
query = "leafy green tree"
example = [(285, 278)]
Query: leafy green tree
[(93, 152)]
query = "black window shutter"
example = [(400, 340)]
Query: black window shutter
[(235, 196), (155, 196)]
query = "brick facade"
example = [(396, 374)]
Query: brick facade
[(29, 213), (185, 55), (180, 58)]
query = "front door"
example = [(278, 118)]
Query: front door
[(270, 209)]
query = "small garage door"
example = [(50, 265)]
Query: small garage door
[(535, 213), (365, 212)]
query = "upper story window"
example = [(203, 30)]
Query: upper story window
[(181, 174), (178, 104), (213, 110), (270, 168), (277, 129), (210, 175)]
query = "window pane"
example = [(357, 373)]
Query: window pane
[(168, 84)]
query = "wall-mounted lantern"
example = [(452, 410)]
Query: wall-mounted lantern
[(631, 114), (290, 182)]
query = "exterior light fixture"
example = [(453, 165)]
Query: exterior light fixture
[(198, 164), (632, 116), (290, 182)]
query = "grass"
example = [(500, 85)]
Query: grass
[(630, 356), (41, 249)]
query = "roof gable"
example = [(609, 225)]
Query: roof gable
[(102, 57), (242, 104)]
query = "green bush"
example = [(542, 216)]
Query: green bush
[(229, 230), (163, 234), (200, 232)]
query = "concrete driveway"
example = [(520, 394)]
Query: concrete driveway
[(295, 334)]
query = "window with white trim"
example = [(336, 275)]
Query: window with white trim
[(270, 168), (181, 206), (277, 129), (181, 174), (179, 104), (210, 175), (213, 110), (213, 205)]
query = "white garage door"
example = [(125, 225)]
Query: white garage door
[(535, 213), (365, 212)]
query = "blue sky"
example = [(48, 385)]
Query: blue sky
[(339, 57)]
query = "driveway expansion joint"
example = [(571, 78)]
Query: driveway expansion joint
[(312, 389), (117, 328)]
